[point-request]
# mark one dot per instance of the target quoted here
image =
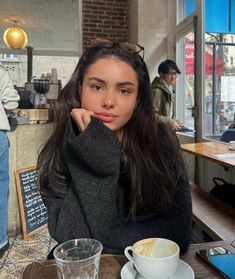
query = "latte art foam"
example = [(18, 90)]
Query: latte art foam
[(154, 249)]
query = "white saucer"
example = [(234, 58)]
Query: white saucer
[(231, 148), (184, 271)]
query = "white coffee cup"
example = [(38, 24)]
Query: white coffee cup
[(232, 144), (154, 258)]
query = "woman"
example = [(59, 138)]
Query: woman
[(110, 171)]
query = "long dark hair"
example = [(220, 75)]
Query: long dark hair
[(151, 155)]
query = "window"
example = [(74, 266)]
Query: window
[(185, 81), (9, 57), (215, 97), (65, 65), (185, 8), (219, 97)]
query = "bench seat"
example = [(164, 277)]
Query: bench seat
[(215, 217)]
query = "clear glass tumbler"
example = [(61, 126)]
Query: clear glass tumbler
[(78, 259)]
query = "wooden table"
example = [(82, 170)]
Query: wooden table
[(212, 151), (111, 265)]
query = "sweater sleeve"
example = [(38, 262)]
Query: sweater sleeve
[(65, 217), (86, 210), (8, 95)]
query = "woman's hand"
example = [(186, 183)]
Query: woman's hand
[(81, 117)]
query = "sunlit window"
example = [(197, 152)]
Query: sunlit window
[(185, 81), (219, 94), (184, 9), (42, 65)]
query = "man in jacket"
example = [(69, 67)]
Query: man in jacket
[(8, 100), (164, 94)]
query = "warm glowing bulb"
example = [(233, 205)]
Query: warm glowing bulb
[(15, 37)]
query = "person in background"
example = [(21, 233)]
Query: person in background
[(164, 93), (110, 171), (8, 100)]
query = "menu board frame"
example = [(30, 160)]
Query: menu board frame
[(28, 231)]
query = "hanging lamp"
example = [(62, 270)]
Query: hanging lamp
[(15, 37)]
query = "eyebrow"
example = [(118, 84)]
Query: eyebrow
[(124, 83)]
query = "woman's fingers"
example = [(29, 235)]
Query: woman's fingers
[(81, 117), (86, 118)]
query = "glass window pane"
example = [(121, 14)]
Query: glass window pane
[(220, 16), (219, 95), (185, 82), (184, 9), (189, 80), (190, 7), (217, 9), (64, 65), (233, 16), (17, 67)]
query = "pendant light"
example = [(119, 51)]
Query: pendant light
[(15, 37)]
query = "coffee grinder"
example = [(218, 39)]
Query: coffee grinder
[(41, 86)]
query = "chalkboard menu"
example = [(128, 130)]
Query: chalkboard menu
[(33, 212)]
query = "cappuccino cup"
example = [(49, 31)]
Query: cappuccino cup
[(154, 258), (232, 144)]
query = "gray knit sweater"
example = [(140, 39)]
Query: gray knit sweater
[(94, 204)]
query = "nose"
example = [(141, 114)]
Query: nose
[(108, 99)]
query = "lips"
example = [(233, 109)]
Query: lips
[(105, 117)]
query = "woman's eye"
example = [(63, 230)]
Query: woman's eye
[(96, 88), (124, 91)]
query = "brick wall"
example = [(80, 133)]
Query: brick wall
[(105, 19)]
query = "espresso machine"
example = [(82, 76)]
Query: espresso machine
[(51, 95)]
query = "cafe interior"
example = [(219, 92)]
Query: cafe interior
[(199, 35)]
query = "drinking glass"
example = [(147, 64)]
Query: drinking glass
[(78, 259)]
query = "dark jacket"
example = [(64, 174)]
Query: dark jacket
[(95, 203)]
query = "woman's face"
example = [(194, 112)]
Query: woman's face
[(110, 89)]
